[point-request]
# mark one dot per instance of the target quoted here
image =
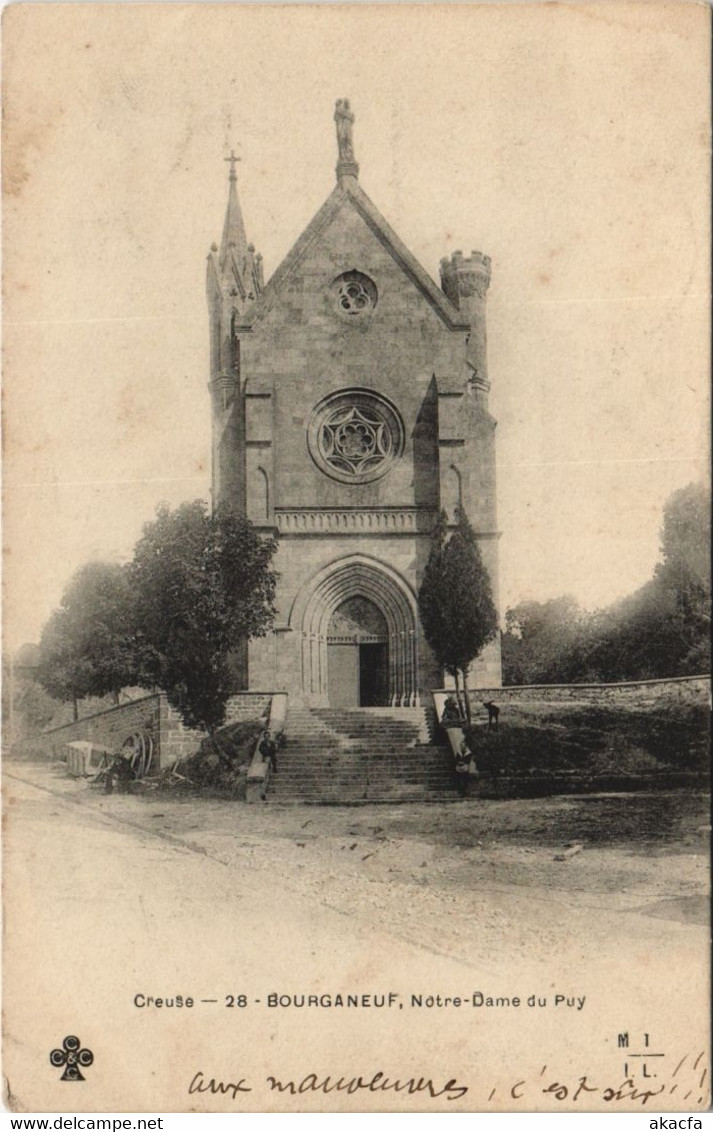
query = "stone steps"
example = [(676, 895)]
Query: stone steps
[(314, 748), (397, 754), (336, 757), (363, 769)]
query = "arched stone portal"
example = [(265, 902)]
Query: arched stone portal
[(327, 603)]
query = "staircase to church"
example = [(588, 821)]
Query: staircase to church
[(335, 756)]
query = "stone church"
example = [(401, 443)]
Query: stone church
[(350, 404)]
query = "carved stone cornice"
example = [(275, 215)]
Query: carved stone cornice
[(387, 521)]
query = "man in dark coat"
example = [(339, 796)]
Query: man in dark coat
[(268, 750)]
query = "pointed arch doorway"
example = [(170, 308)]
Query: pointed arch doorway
[(358, 655), (358, 623)]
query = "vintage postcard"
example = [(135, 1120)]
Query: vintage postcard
[(377, 779)]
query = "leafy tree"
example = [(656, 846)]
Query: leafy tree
[(431, 603), (684, 572), (685, 537), (203, 585), (455, 600), (542, 641), (26, 706), (662, 629), (630, 640), (88, 646)]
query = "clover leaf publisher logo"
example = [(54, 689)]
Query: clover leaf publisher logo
[(72, 1056)]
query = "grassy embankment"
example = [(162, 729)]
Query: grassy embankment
[(606, 747)]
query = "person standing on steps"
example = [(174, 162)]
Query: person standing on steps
[(268, 750), (462, 768)]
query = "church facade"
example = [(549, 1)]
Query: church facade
[(349, 405)]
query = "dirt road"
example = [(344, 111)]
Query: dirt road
[(110, 897)]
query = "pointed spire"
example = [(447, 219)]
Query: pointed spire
[(233, 230)]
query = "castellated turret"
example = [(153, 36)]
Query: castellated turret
[(466, 282)]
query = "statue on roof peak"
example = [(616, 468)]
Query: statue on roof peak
[(344, 118)]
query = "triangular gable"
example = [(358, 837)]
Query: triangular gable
[(353, 196)]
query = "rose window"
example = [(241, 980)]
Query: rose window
[(355, 436), (355, 293)]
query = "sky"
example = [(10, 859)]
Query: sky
[(570, 143)]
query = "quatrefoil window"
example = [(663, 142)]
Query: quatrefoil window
[(356, 294), (355, 436)]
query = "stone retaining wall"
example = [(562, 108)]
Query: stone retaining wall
[(640, 693), (178, 741), (110, 728), (152, 714), (248, 705)]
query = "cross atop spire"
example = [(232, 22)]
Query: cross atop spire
[(233, 229), (235, 274), (232, 159)]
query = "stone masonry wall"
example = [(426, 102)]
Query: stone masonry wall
[(248, 705), (688, 689), (154, 714), (178, 742), (109, 728)]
